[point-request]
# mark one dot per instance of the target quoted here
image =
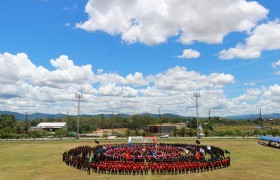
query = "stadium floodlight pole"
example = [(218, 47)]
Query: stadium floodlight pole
[(196, 95), (261, 119), (78, 96), (113, 120), (160, 121)]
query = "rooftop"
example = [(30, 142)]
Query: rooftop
[(167, 124), (51, 125)]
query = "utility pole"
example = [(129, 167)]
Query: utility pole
[(113, 120), (197, 95), (26, 124), (160, 121), (261, 119), (78, 96), (209, 115)]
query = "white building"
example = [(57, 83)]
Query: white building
[(51, 126)]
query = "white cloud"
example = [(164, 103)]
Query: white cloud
[(113, 90), (249, 84), (153, 22), (70, 8), (100, 71), (275, 90), (272, 96), (137, 79), (263, 38), (189, 53), (25, 87), (275, 64), (67, 24), (221, 79), (277, 73), (240, 51)]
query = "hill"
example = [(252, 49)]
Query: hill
[(19, 116), (255, 116)]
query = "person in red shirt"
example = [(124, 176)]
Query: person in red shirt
[(205, 166), (170, 168), (146, 169), (201, 165), (220, 164), (211, 164), (134, 170), (197, 155), (114, 169), (109, 167), (142, 169), (153, 168), (94, 167), (157, 169), (120, 168), (125, 168), (215, 165), (102, 168), (179, 168), (195, 166), (176, 168), (185, 168)]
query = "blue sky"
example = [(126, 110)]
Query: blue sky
[(47, 29)]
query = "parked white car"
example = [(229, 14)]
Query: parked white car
[(165, 136)]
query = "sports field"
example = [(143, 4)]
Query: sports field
[(43, 160)]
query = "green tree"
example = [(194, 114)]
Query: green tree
[(144, 133), (38, 134), (137, 132), (191, 132), (26, 127), (274, 132), (61, 133), (263, 132), (7, 121), (229, 133), (8, 128), (6, 133), (206, 132), (128, 132), (192, 123), (183, 132), (175, 132)]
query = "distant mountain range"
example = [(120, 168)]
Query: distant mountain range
[(255, 116), (20, 116)]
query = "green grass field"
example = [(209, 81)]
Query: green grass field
[(240, 127), (43, 160)]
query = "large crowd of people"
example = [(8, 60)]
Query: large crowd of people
[(145, 158)]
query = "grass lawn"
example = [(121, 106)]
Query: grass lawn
[(240, 127), (43, 160)]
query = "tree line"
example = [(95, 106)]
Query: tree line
[(137, 125)]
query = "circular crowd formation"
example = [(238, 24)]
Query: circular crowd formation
[(145, 158)]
